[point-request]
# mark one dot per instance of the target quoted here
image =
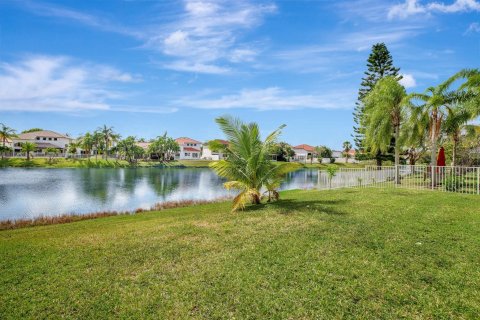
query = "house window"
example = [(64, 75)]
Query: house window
[(195, 155), (187, 154), (50, 139), (55, 139), (44, 138), (38, 138)]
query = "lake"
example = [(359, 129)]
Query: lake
[(32, 192)]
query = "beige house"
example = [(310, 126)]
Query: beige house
[(43, 139)]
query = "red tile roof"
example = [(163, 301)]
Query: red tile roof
[(224, 142), (190, 149), (183, 140), (305, 147)]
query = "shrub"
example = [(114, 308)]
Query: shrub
[(453, 183)]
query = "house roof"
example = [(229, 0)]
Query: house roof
[(224, 142), (305, 147), (183, 140), (143, 145), (42, 133), (191, 149)]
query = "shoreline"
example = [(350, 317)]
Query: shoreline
[(11, 224)]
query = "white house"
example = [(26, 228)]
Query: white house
[(208, 154), (303, 152), (189, 149), (43, 139)]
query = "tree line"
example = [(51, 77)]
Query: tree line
[(103, 141)]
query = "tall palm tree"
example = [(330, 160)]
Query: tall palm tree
[(97, 142), (5, 134), (28, 147), (347, 146), (430, 109), (455, 121), (384, 115), (247, 166), (109, 136)]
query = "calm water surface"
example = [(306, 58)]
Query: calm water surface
[(27, 193)]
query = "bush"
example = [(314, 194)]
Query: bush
[(453, 183), (332, 160)]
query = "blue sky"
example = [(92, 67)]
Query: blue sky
[(145, 67)]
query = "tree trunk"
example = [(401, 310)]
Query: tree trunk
[(378, 159), (397, 154), (28, 155), (454, 152), (255, 199)]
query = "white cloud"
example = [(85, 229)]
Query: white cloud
[(49, 10), (272, 98), (408, 81), (413, 7), (406, 9), (44, 83), (207, 35), (456, 6), (195, 67), (473, 27)]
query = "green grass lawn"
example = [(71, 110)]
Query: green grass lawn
[(368, 253)]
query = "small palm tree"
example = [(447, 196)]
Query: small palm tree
[(86, 142), (247, 166), (347, 146), (5, 134), (28, 147), (51, 152), (455, 121)]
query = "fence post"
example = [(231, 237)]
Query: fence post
[(478, 180), (432, 179), (396, 176)]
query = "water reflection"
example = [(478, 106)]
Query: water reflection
[(26, 193)]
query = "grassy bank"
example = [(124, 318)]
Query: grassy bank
[(313, 255), (112, 163), (62, 163), (95, 163)]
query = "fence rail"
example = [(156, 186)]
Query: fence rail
[(447, 179)]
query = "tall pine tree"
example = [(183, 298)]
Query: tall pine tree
[(379, 65)]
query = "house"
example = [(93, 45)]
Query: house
[(303, 152), (190, 149), (8, 143), (208, 154), (143, 145), (337, 154), (43, 139)]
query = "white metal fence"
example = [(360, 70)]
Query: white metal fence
[(447, 179)]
